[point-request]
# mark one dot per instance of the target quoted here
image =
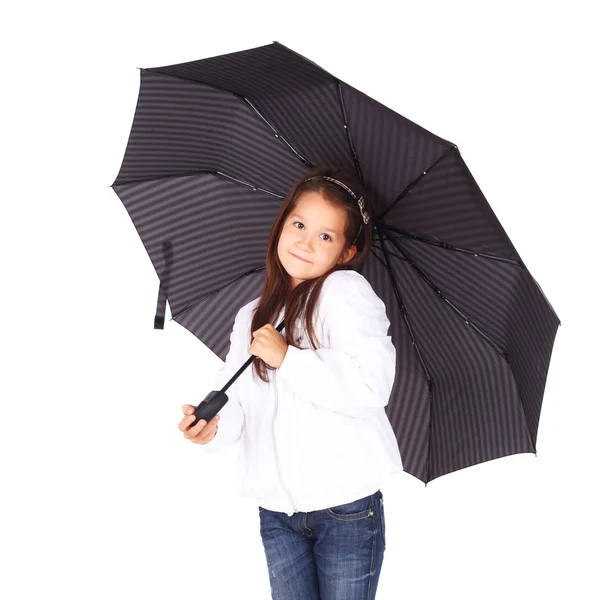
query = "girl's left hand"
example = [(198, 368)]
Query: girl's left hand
[(269, 345)]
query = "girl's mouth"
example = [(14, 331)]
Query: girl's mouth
[(298, 257)]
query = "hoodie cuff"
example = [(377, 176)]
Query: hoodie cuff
[(231, 425)]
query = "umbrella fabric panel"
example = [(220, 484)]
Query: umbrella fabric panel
[(502, 300), (393, 151), (220, 233), (480, 407), (532, 331), (446, 205), (292, 93), (215, 313), (409, 408), (472, 412), (182, 127)]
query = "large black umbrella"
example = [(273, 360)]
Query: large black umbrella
[(215, 146)]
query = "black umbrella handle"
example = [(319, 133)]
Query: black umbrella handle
[(210, 406), (216, 400)]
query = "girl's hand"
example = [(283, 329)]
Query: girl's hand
[(201, 432), (269, 345)]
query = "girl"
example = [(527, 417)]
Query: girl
[(316, 443)]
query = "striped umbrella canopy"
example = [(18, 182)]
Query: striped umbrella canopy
[(214, 148)]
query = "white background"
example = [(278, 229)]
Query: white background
[(102, 497)]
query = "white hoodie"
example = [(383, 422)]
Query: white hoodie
[(317, 436)]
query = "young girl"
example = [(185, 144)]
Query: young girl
[(316, 443)]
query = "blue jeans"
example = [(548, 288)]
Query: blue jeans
[(330, 554)]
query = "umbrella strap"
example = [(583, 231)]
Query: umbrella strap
[(161, 303)]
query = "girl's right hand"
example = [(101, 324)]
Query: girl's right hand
[(201, 433)]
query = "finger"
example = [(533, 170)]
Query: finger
[(186, 422), (207, 433), (192, 432), (205, 436), (259, 330), (188, 409)]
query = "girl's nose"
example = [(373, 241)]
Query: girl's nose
[(304, 245)]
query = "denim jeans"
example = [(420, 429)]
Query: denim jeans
[(330, 554)]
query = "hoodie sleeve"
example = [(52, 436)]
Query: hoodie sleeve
[(231, 420), (356, 373)]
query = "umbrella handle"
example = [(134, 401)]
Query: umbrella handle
[(216, 400), (210, 406)]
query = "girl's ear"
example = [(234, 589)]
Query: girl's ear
[(348, 254)]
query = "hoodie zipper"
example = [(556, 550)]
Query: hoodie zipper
[(275, 443)]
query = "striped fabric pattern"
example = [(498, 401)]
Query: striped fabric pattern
[(215, 146)]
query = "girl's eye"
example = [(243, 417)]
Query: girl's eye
[(303, 226)]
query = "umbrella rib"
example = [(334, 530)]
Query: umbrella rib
[(413, 183), (395, 287), (404, 234), (197, 172), (441, 295), (348, 134), (159, 177), (247, 184), (375, 246), (278, 134), (428, 280)]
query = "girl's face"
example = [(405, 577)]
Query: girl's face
[(313, 231)]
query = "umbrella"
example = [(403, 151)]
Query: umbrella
[(214, 147)]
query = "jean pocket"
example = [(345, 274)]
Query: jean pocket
[(352, 511)]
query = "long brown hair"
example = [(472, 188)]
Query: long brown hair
[(277, 291)]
